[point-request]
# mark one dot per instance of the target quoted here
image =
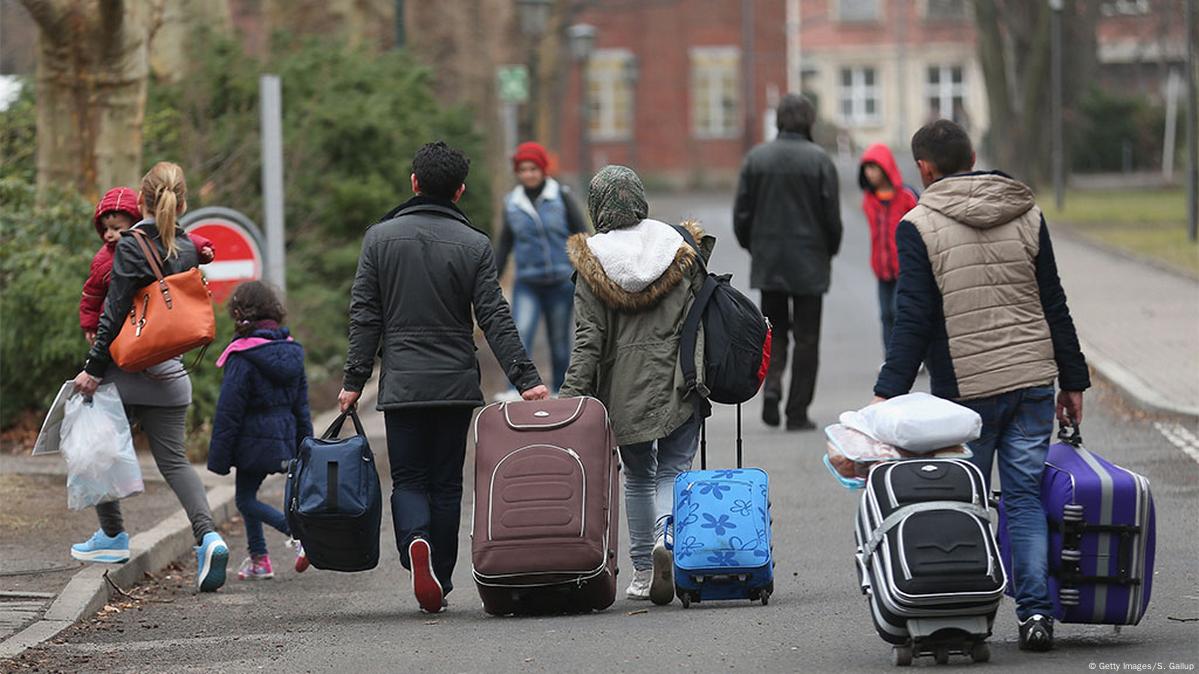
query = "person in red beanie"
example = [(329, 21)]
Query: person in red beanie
[(539, 215), (116, 212)]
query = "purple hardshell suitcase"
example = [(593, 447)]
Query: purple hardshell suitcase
[(1101, 536)]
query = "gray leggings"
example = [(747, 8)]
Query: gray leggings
[(165, 427)]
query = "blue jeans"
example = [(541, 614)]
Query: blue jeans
[(649, 486), (255, 512), (427, 447), (556, 301), (886, 309), (1017, 426)]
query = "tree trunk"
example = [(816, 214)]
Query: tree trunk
[(993, 58), (91, 92), (178, 31)]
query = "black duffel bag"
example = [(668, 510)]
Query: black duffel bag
[(334, 502)]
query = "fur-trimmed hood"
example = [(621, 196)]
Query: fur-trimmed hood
[(633, 284)]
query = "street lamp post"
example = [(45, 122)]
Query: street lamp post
[(582, 42), (632, 74), (1192, 63), (534, 17), (1059, 161)]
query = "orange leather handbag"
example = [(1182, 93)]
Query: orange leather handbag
[(169, 317)]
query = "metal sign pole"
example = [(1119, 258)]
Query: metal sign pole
[(271, 104)]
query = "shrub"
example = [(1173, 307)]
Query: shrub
[(1110, 122), (45, 253)]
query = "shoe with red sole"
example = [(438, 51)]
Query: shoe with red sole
[(424, 583)]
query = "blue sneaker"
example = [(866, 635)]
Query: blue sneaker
[(212, 556), (103, 548)]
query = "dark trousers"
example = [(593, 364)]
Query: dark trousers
[(886, 309), (254, 512), (797, 317), (427, 447)]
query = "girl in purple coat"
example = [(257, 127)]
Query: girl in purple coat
[(261, 416)]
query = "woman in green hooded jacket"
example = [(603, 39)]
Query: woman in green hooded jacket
[(636, 280)]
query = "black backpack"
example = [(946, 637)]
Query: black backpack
[(736, 338)]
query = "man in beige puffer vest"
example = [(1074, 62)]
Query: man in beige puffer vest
[(979, 300)]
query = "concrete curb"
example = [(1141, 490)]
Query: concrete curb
[(88, 590), (1131, 386)]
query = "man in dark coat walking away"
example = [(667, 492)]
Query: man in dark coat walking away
[(422, 271), (788, 216)]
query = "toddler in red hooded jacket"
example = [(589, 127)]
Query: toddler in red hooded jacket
[(885, 200), (116, 212)]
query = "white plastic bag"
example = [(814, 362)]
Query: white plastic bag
[(917, 422), (98, 447)]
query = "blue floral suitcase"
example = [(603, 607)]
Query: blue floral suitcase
[(721, 532)]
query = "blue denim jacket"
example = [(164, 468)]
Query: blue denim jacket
[(539, 231)]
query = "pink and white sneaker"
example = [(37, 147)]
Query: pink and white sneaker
[(256, 568)]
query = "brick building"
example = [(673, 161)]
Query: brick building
[(881, 68), (668, 86)]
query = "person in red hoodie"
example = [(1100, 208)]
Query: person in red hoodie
[(116, 212), (885, 200)]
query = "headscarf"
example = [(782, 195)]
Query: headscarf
[(617, 199)]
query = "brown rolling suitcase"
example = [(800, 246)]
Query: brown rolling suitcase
[(546, 514)]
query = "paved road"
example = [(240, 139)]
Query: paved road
[(816, 620)]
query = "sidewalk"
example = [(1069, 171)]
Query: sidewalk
[(43, 590), (1139, 325)]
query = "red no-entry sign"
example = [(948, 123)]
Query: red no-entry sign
[(238, 248)]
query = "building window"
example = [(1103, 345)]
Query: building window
[(857, 10), (945, 88), (860, 100), (610, 95), (714, 92), (946, 10), (1125, 8)]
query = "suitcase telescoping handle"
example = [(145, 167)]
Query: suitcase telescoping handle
[(334, 429), (703, 441)]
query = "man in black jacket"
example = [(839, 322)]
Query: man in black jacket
[(421, 272), (788, 215)]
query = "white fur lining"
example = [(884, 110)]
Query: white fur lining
[(636, 256)]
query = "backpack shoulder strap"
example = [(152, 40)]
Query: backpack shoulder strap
[(689, 337), (699, 252), (690, 334)]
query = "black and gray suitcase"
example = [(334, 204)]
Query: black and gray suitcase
[(927, 560)]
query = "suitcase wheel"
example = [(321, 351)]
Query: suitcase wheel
[(980, 652), (764, 597), (685, 597), (941, 656), (901, 656)]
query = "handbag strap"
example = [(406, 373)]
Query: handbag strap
[(151, 252), (155, 262), (334, 429)]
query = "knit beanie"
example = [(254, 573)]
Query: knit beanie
[(533, 152), (117, 200)]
